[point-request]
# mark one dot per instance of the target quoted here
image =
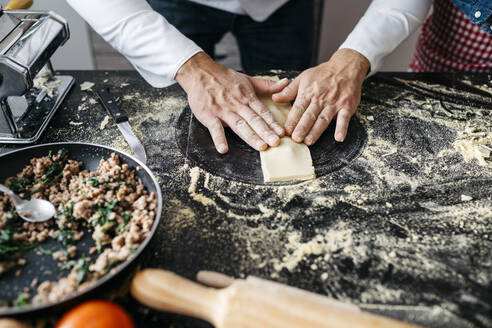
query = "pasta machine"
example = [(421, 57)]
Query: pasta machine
[(30, 92)]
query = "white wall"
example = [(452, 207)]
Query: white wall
[(340, 17), (77, 52)]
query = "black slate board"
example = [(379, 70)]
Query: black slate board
[(242, 162)]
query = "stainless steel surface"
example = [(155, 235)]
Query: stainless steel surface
[(40, 96), (36, 118), (7, 24), (42, 35), (7, 122), (133, 141), (27, 47), (34, 210), (15, 34), (27, 41)]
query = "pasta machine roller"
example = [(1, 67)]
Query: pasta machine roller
[(30, 92)]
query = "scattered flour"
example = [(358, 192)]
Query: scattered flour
[(332, 241), (195, 175), (474, 150), (104, 122), (86, 86), (47, 83)]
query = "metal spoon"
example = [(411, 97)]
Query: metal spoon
[(34, 210)]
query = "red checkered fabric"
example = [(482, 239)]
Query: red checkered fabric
[(450, 42)]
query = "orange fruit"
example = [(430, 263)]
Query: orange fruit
[(96, 314)]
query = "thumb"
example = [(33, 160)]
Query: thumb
[(264, 86), (288, 93)]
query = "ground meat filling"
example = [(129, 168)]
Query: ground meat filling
[(111, 202)]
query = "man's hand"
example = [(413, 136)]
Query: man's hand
[(323, 92), (219, 96)]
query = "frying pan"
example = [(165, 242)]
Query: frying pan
[(44, 267)]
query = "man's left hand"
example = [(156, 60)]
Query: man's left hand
[(323, 92)]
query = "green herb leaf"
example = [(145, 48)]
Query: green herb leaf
[(67, 211), (82, 265), (44, 250), (22, 300), (93, 182), (22, 185), (98, 244), (11, 249), (83, 269), (63, 152), (126, 215), (111, 265), (66, 237), (104, 212)]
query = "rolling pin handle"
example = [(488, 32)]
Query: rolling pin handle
[(166, 291), (214, 279)]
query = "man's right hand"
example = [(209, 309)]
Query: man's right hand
[(219, 96)]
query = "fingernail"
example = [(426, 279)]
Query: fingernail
[(261, 145), (340, 137), (222, 148), (296, 137), (272, 140), (308, 141), (278, 129)]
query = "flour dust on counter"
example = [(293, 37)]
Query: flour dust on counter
[(474, 143), (388, 230), (47, 82), (86, 86), (104, 122), (382, 198), (474, 137)]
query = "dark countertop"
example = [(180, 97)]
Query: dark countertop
[(386, 225)]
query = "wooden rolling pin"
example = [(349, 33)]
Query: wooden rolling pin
[(18, 4), (251, 303)]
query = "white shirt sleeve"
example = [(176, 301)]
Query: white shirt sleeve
[(384, 26), (153, 46)]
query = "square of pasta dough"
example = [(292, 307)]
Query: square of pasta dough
[(287, 161)]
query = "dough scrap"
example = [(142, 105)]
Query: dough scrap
[(279, 111), (289, 160)]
